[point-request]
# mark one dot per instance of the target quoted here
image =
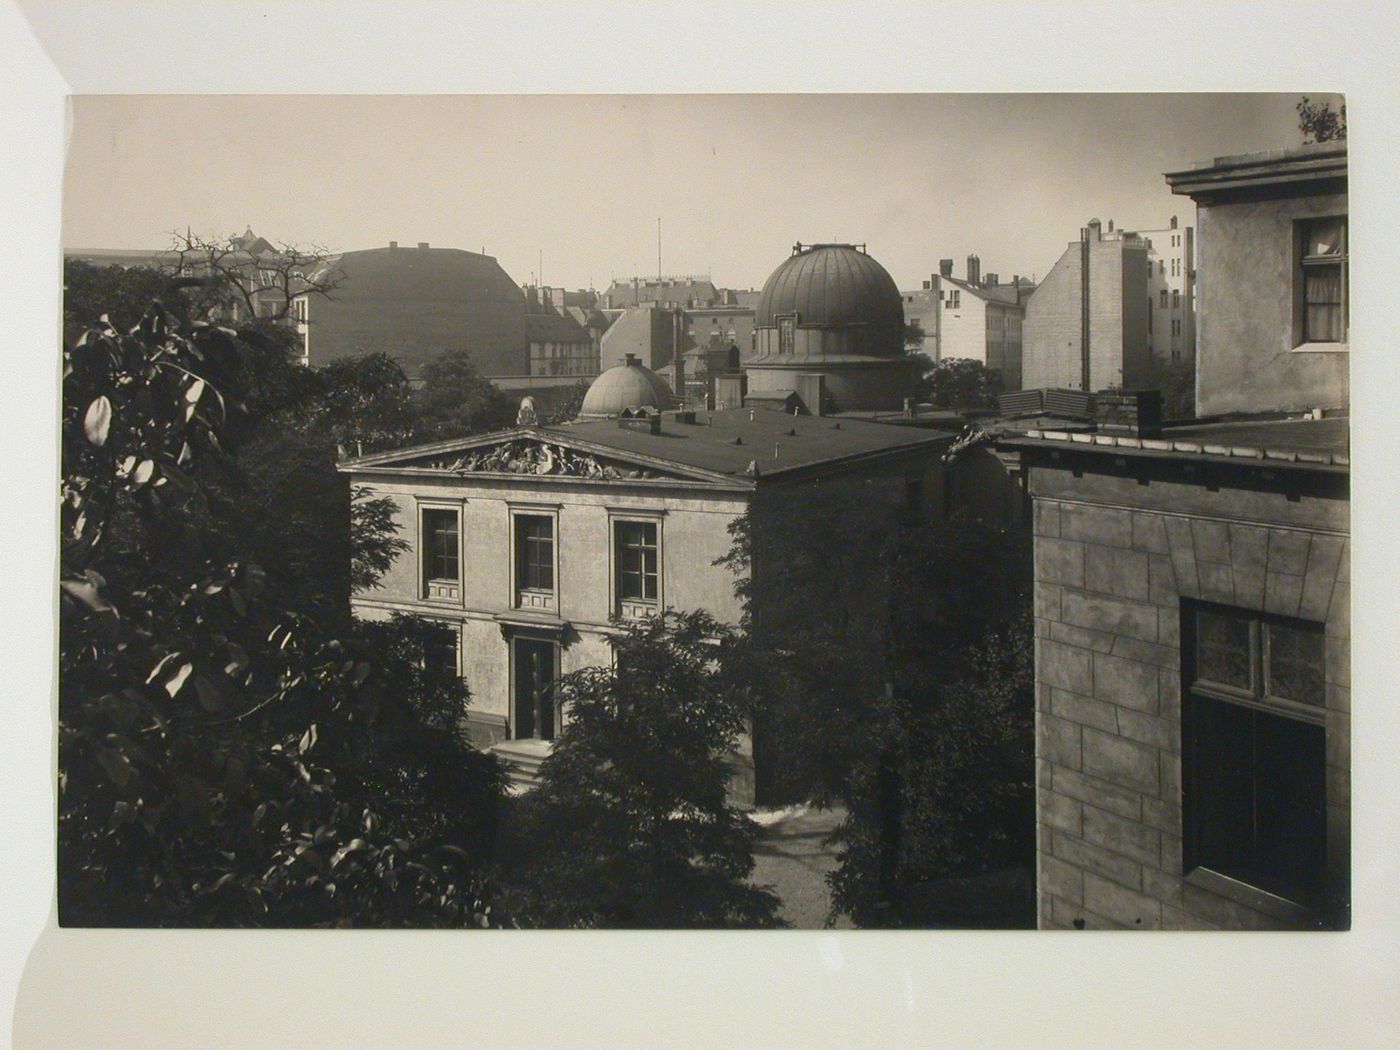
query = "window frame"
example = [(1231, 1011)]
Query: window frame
[(1258, 699), (440, 590), (1302, 341), (522, 597), (787, 333), (454, 629), (635, 608)]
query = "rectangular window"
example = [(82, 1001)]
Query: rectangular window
[(1149, 314), (440, 548), (787, 335), (1176, 299), (1324, 280), (1164, 299), (1176, 327), (534, 552), (1254, 749), (440, 650), (638, 564)]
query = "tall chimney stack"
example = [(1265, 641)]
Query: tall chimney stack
[(974, 271), (945, 267)]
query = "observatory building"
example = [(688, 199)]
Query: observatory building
[(829, 335)]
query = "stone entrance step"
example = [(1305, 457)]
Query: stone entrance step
[(522, 759)]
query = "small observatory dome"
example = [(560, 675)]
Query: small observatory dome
[(629, 385)]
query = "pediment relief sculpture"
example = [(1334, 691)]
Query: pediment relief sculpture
[(538, 458)]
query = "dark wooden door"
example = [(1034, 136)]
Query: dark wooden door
[(535, 671)]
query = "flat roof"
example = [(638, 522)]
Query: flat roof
[(1312, 163), (728, 440), (1306, 443)]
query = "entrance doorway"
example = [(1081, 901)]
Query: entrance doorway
[(535, 663)]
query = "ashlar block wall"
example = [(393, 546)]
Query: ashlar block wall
[(1108, 590)]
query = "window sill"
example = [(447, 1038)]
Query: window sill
[(1250, 896), (633, 609), (1321, 348)]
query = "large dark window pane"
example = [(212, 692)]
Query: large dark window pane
[(1255, 797), (1220, 786), (1291, 760)]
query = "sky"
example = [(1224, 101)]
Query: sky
[(569, 188)]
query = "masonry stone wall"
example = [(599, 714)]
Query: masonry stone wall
[(1109, 580)]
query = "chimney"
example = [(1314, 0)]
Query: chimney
[(992, 279), (393, 244), (945, 267), (1095, 230), (1135, 413), (1110, 225), (630, 360), (974, 271), (422, 245), (678, 370), (1016, 284), (1173, 222), (928, 285)]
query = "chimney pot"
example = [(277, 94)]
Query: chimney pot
[(422, 244), (393, 244)]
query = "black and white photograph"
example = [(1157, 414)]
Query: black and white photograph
[(868, 516), (981, 567)]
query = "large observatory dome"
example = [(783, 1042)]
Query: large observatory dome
[(831, 285), (829, 330)]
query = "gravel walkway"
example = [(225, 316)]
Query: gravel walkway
[(791, 860)]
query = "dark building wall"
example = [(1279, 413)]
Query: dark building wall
[(1248, 306), (414, 303), (1113, 560)]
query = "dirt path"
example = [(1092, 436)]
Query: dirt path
[(791, 859)]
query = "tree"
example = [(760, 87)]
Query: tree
[(943, 786), (122, 293), (947, 794), (812, 698), (457, 400), (571, 406), (223, 758), (1319, 122), (367, 404), (913, 335), (249, 277), (1177, 382), (631, 826), (959, 382)]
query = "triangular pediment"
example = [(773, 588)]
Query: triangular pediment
[(533, 453)]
